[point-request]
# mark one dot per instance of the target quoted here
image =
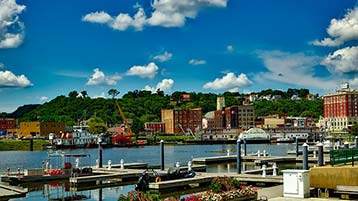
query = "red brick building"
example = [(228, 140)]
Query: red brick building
[(7, 123), (178, 120), (242, 117), (155, 127), (341, 109)]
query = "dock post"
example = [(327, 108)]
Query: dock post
[(264, 153), (100, 155), (109, 164), (122, 163), (31, 144), (320, 154), (189, 166), (356, 141), (346, 145), (244, 147), (161, 154), (263, 170), (258, 153), (305, 156), (238, 161), (320, 138), (296, 146), (274, 169)]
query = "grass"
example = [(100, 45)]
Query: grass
[(10, 145)]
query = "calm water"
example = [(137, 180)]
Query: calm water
[(146, 154)]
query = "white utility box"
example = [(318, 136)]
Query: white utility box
[(296, 183)]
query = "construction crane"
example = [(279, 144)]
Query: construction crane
[(123, 138)]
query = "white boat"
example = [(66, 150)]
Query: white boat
[(254, 135), (79, 137)]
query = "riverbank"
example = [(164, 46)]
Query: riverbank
[(23, 145)]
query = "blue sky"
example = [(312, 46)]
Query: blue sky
[(49, 48)]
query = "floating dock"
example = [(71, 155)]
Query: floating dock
[(7, 192)]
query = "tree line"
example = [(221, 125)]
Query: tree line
[(142, 106)]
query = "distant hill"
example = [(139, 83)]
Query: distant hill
[(20, 111)]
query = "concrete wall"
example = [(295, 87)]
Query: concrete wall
[(330, 177)]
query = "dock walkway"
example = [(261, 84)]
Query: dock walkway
[(7, 192)]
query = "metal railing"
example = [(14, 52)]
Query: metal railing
[(343, 156)]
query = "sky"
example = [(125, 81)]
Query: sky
[(49, 48)]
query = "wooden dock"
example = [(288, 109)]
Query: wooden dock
[(7, 192), (255, 159), (177, 183), (129, 175)]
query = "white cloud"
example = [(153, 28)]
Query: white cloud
[(99, 96), (230, 48), (148, 71), (166, 13), (344, 60), (43, 98), (99, 78), (2, 65), (165, 85), (196, 62), (97, 17), (11, 28), (10, 80), (229, 81), (341, 30), (166, 56), (292, 68)]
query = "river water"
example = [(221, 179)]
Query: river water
[(145, 154)]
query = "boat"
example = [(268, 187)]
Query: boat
[(57, 166), (78, 138), (255, 135)]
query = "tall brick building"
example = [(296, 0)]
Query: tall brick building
[(341, 108), (242, 117), (177, 120), (7, 123)]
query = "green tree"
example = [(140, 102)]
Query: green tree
[(96, 125), (354, 130), (84, 94), (73, 94), (113, 92)]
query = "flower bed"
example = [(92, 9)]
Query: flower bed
[(221, 189)]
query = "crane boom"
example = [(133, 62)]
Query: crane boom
[(124, 118)]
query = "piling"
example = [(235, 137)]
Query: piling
[(305, 156), (244, 147), (100, 155), (161, 154), (31, 144), (356, 141), (320, 154), (238, 161), (296, 146)]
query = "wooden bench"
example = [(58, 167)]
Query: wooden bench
[(345, 191)]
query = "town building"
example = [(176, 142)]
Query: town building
[(155, 127), (246, 117), (242, 117), (37, 128), (181, 121), (220, 102), (7, 123), (341, 109)]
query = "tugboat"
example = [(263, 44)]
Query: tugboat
[(78, 138)]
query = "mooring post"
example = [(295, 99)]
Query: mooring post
[(356, 141), (263, 170), (274, 171), (320, 154), (238, 161), (244, 147), (162, 154), (100, 155), (305, 156), (31, 144), (122, 163), (296, 146), (346, 145)]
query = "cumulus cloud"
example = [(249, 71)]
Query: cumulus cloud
[(344, 60), (99, 78), (341, 30), (166, 13), (196, 62), (292, 68), (166, 56), (148, 71), (228, 81), (43, 98), (230, 48), (165, 85), (2, 65), (11, 28), (10, 80)]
